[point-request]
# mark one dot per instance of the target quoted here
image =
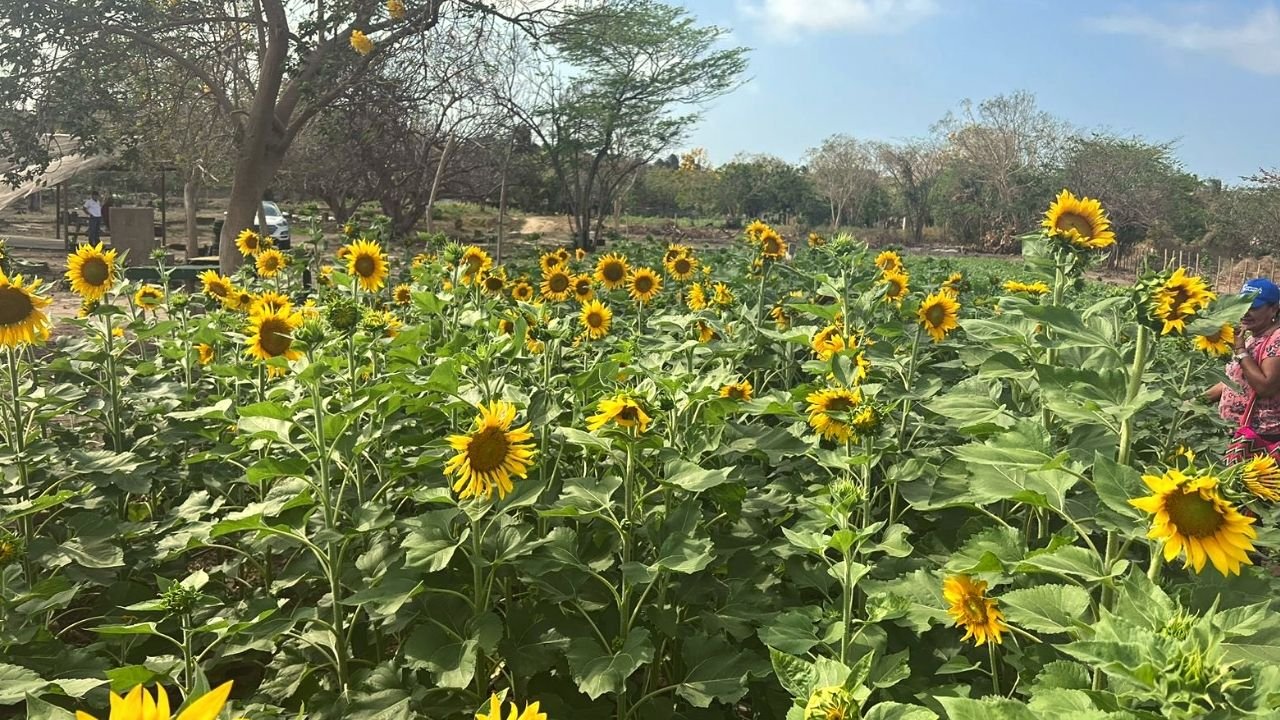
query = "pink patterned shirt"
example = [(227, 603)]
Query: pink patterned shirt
[(1265, 418)]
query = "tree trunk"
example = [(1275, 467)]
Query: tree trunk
[(502, 203), (189, 211), (449, 146)]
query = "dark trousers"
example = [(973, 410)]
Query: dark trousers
[(95, 230)]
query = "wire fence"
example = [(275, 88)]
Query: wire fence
[(1225, 271)]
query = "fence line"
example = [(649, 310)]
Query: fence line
[(1224, 271)]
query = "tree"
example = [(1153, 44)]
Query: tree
[(268, 68), (844, 172), (758, 186), (609, 101), (913, 167)]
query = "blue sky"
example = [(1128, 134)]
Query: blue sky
[(1203, 74)]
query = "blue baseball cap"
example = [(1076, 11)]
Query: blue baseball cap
[(1263, 292)]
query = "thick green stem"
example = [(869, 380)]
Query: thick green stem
[(994, 657), (334, 551), (906, 386)]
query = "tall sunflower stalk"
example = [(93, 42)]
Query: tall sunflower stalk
[(18, 437)]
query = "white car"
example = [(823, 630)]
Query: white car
[(277, 224)]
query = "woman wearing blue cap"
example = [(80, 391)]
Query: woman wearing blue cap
[(1254, 408)]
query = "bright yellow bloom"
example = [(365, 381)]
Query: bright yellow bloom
[(366, 263), (1261, 477), (557, 285), (475, 263), (215, 285), (1081, 221), (889, 261), (1218, 344), (1034, 288), (249, 242), (827, 342), (271, 262), (140, 705), (621, 410), (816, 240), (91, 271), (402, 294), (530, 712), (495, 283), (271, 335), (550, 261), (644, 285), (755, 231), (612, 271), (939, 315), (706, 333), (580, 254), (833, 702), (897, 285), (722, 295), (682, 266), (148, 297), (206, 353), (1190, 515), (973, 610), (697, 299), (772, 246), (522, 291), (736, 391), (1179, 299), (22, 317), (361, 42), (270, 302), (490, 454), (829, 412), (582, 288), (595, 319)]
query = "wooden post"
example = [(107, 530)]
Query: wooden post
[(164, 198), (1165, 263), (57, 211)]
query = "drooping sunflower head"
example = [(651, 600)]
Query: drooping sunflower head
[(550, 261), (22, 317), (395, 9), (1080, 221), (697, 299), (495, 283), (402, 294), (583, 289), (1261, 477), (595, 319), (148, 297), (475, 263), (215, 285), (522, 291), (612, 271), (138, 703), (896, 286), (490, 454), (781, 318), (772, 246), (1190, 515), (644, 285), (205, 353), (722, 295), (621, 410), (682, 266), (706, 333), (271, 335), (270, 301), (736, 391), (91, 271), (270, 262), (507, 326), (557, 285), (939, 314), (367, 264), (1179, 299), (830, 411), (973, 610), (889, 261), (249, 242), (1218, 344), (361, 42), (827, 342)]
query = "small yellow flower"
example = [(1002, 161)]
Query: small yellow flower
[(395, 8), (622, 411), (736, 391), (361, 42)]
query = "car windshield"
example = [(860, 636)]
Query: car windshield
[(270, 208)]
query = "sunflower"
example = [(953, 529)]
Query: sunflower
[(239, 299), (816, 240), (271, 335), (139, 704), (475, 263), (612, 271), (22, 316), (973, 610), (215, 286), (366, 263), (889, 261), (1191, 515), (361, 42), (827, 411), (550, 262), (897, 285), (206, 353), (522, 291), (325, 278), (736, 391), (827, 342), (1178, 299), (1217, 344), (1035, 288), (249, 242), (644, 285), (534, 346), (490, 454), (938, 315), (270, 263), (755, 231), (682, 267), (595, 319), (557, 285), (530, 712), (721, 296), (582, 289), (697, 297), (1080, 221), (580, 254), (270, 302), (772, 246), (833, 702), (781, 318), (395, 8), (507, 326), (495, 283), (621, 410), (402, 294), (1261, 477), (706, 333), (91, 271), (343, 253), (148, 297)]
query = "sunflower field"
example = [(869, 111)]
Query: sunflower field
[(793, 478)]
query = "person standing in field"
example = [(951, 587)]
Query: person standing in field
[(1254, 409), (93, 208)]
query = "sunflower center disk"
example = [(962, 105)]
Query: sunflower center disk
[(1070, 222), (15, 306), (488, 449), (95, 271), (629, 414), (1193, 515), (936, 315), (365, 266), (559, 283), (274, 338)]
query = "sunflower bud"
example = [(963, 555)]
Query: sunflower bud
[(10, 548), (180, 599), (312, 332), (833, 701), (344, 314)]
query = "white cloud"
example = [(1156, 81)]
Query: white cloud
[(793, 17), (1253, 44)]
